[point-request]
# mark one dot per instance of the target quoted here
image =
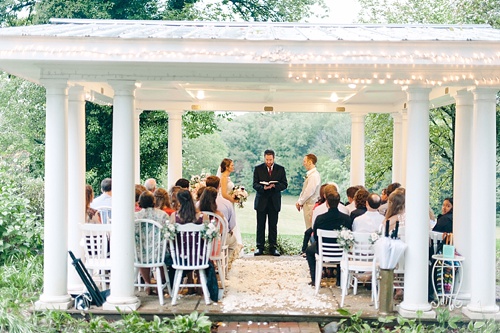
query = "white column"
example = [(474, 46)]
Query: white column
[(137, 146), (462, 183), (55, 251), (397, 144), (404, 154), (122, 233), (417, 204), (76, 180), (482, 235), (357, 149), (174, 146)]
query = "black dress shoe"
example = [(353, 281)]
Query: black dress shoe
[(275, 253), (258, 252)]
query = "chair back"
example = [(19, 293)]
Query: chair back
[(435, 237), (105, 214), (221, 225), (328, 248), (362, 251), (188, 249), (150, 244), (95, 238)]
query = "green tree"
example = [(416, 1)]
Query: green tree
[(441, 120), (246, 10)]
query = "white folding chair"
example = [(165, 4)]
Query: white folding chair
[(359, 260), (105, 214), (329, 253), (435, 237), (220, 249), (150, 250), (190, 252), (95, 241)]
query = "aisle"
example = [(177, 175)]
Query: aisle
[(278, 285)]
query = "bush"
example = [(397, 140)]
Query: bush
[(21, 206)]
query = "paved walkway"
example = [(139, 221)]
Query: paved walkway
[(273, 327)]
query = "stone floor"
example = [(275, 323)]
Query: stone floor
[(274, 316)]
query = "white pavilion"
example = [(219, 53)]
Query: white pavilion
[(403, 70)]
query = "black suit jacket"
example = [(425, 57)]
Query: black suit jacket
[(331, 220), (262, 197)]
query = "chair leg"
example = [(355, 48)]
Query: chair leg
[(159, 285), (344, 278), (177, 285), (167, 279), (203, 279), (221, 271), (317, 279)]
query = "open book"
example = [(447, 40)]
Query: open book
[(269, 182)]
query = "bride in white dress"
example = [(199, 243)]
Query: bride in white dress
[(226, 187)]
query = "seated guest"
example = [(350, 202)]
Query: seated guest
[(395, 208), (139, 189), (162, 201), (150, 185), (445, 219), (182, 183), (146, 202), (371, 220), (187, 212), (360, 200), (92, 215), (383, 196), (227, 208), (104, 200), (173, 197), (331, 220), (391, 188), (351, 204)]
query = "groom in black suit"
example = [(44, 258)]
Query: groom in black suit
[(269, 179)]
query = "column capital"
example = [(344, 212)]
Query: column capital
[(175, 114), (418, 93), (76, 93), (357, 117), (397, 116), (485, 93), (123, 87), (54, 86), (464, 97)]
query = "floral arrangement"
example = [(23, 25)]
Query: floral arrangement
[(170, 231), (210, 232), (240, 194), (345, 239), (374, 236), (198, 181)]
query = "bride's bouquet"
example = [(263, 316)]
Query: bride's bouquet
[(240, 195)]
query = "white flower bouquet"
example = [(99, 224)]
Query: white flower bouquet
[(210, 232), (240, 194), (197, 181), (374, 236), (345, 239), (170, 231)]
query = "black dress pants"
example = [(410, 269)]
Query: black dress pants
[(271, 215)]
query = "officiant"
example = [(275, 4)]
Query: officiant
[(269, 179)]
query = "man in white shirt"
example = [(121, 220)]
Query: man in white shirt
[(310, 189), (104, 200), (371, 220), (350, 192)]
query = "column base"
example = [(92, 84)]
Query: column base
[(122, 304), (54, 303), (76, 289), (479, 313), (424, 313)]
